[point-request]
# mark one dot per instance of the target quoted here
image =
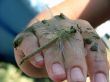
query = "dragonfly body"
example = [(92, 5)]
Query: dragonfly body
[(56, 30)]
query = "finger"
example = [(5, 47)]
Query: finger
[(96, 53), (74, 56), (28, 68), (54, 64), (28, 44), (97, 63)]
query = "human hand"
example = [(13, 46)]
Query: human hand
[(79, 54)]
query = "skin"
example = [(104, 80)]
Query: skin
[(83, 9), (60, 35)]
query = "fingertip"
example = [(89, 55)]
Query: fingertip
[(77, 75), (56, 72), (37, 61), (59, 73), (100, 77)]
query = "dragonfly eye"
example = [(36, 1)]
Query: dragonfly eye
[(72, 30)]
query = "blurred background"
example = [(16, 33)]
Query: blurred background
[(14, 16)]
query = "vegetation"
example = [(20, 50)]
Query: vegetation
[(10, 73)]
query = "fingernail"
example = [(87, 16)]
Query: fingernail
[(100, 77), (38, 58), (76, 75), (58, 69), (37, 61)]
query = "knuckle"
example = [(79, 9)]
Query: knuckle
[(19, 38), (83, 22), (30, 29)]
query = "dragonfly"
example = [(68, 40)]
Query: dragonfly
[(60, 32)]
